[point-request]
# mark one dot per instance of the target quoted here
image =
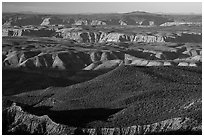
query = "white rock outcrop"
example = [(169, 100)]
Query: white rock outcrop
[(45, 22)]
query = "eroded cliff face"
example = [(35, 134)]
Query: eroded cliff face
[(60, 60), (46, 21), (120, 37), (12, 32), (102, 37), (89, 60), (17, 121)]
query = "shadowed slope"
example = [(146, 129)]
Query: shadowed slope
[(146, 95)]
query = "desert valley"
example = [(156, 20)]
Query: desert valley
[(102, 74)]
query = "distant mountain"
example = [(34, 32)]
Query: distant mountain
[(131, 18)]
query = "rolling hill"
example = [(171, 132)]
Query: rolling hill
[(128, 95)]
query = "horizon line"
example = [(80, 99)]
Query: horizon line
[(59, 13)]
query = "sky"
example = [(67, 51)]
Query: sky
[(103, 7)]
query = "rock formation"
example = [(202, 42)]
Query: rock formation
[(135, 73), (46, 21), (17, 122), (101, 37)]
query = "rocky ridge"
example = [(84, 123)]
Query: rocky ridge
[(76, 60), (17, 121), (82, 36)]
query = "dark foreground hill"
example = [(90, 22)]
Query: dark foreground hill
[(15, 81), (126, 96)]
